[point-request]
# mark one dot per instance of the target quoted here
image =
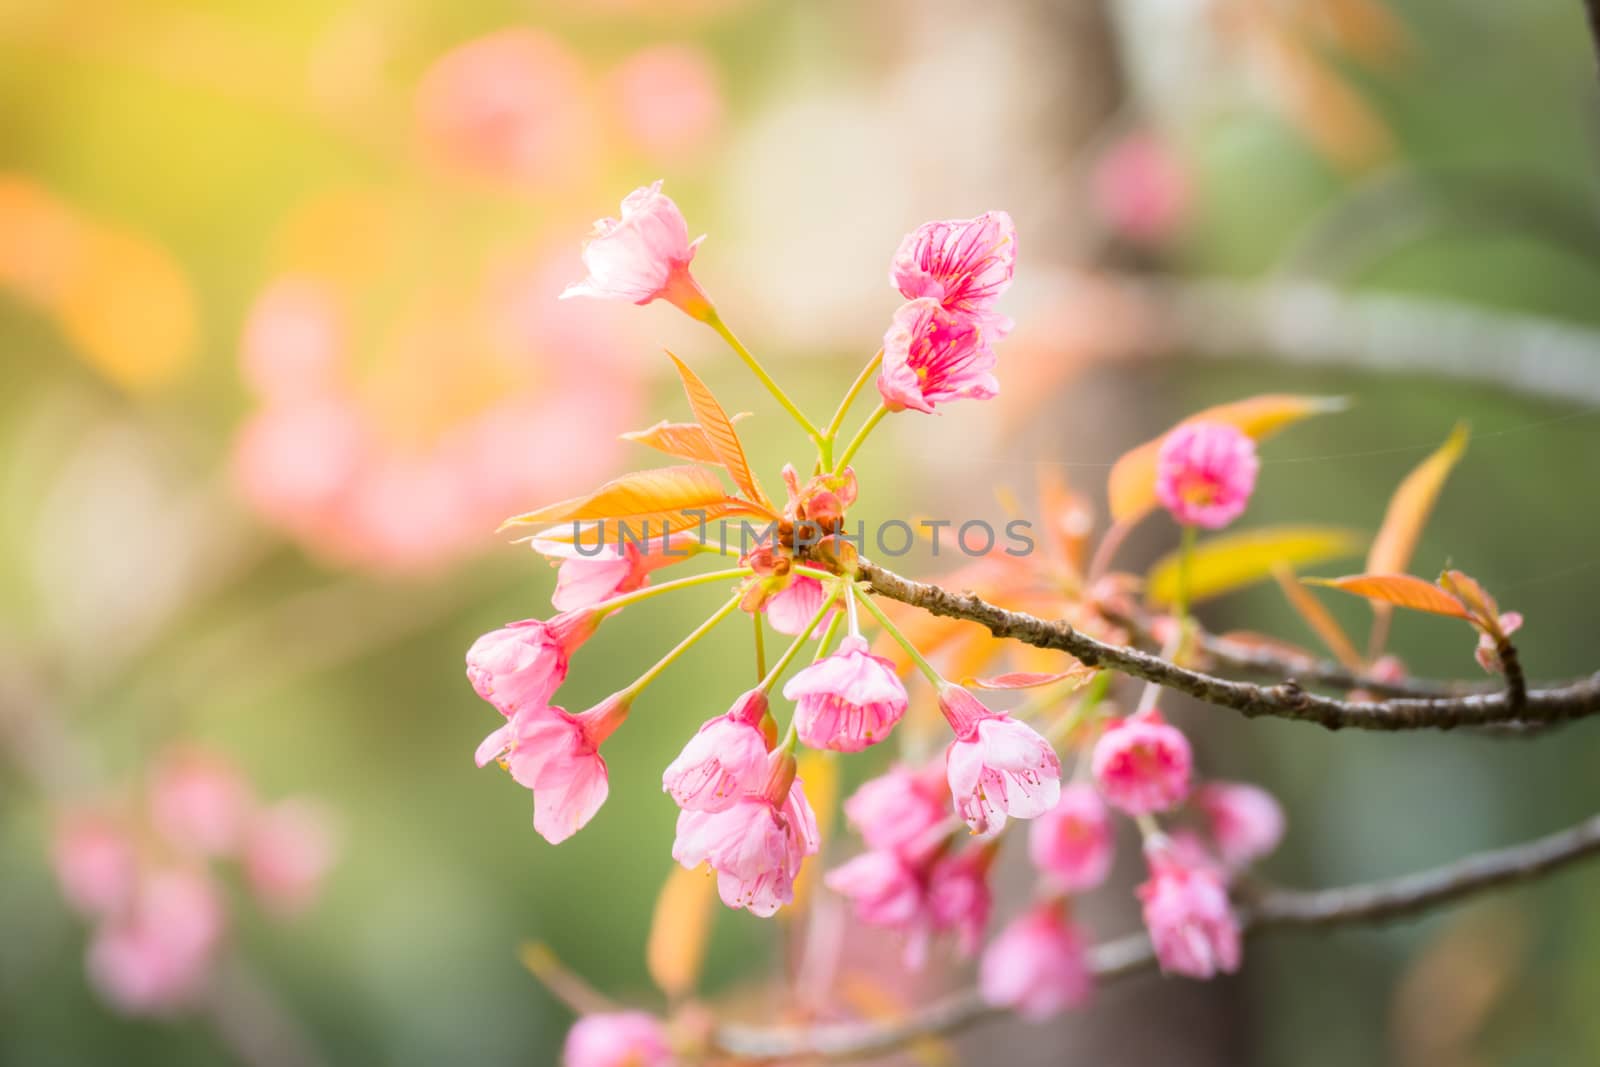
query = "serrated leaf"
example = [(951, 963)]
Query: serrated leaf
[(680, 930), (651, 492), (719, 431), (1077, 674), (1411, 505), (686, 440), (1132, 484), (1322, 623), (1235, 560), (1401, 590)]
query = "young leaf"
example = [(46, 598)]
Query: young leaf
[(1466, 589), (1234, 560), (719, 431), (680, 930), (665, 489), (1132, 485), (685, 440), (1401, 590), (1317, 617), (1410, 506), (1078, 674)]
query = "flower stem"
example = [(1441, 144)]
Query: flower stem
[(894, 631), (798, 643), (828, 636), (861, 437), (683, 646), (1180, 601), (831, 434), (714, 320), (616, 602), (761, 646)]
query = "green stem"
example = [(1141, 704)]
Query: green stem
[(828, 636), (683, 646), (861, 437), (799, 642), (830, 434), (761, 646), (616, 602), (1180, 601), (894, 631), (716, 323)]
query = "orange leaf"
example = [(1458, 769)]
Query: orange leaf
[(719, 431), (654, 525), (680, 930), (1402, 590), (1132, 485), (665, 489), (1317, 617), (1410, 506), (1078, 674), (1466, 589), (686, 440)]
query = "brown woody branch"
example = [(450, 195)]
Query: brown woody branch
[(1284, 700), (1267, 908)]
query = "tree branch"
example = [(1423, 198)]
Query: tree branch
[(1266, 908), (1285, 700)]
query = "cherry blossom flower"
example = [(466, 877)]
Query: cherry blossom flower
[(522, 664), (200, 801), (288, 850), (725, 760), (997, 766), (932, 355), (794, 605), (847, 701), (886, 890), (557, 755), (1245, 821), (963, 264), (95, 861), (294, 341), (1205, 473), (1190, 921), (1142, 764), (1071, 844), (643, 256), (156, 956), (901, 811), (757, 846), (1488, 652), (1037, 966), (617, 1039), (959, 899), (1140, 189), (599, 572)]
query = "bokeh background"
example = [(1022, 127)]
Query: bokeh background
[(279, 347)]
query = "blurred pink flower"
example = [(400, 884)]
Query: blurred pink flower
[(668, 99), (95, 862), (901, 811), (513, 105), (556, 755), (1245, 820), (963, 264), (958, 895), (932, 356), (294, 463), (156, 957), (288, 851), (1141, 189), (643, 256), (847, 701), (1071, 844), (1205, 473), (997, 766), (294, 341), (617, 1039), (886, 890), (1190, 921), (522, 664), (200, 801), (1142, 764), (725, 760), (1488, 652), (1037, 966)]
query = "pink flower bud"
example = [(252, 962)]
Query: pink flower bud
[(1205, 473), (200, 801), (1037, 966), (997, 767), (901, 811), (287, 853), (724, 761), (1190, 921), (617, 1039), (523, 663), (1245, 821), (1071, 843), (963, 264), (932, 356), (847, 701), (95, 862), (1142, 764), (644, 256)]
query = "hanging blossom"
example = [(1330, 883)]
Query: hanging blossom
[(1071, 844), (1244, 820), (557, 755), (725, 760), (643, 256), (1142, 764), (589, 574), (902, 810), (847, 701), (1187, 912), (522, 664), (1038, 965), (1205, 473), (997, 766)]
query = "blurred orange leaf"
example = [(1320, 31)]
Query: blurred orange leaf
[(1235, 560), (1479, 603), (719, 432), (1401, 590), (1317, 617), (1132, 485), (680, 930), (686, 440), (1411, 505), (641, 493)]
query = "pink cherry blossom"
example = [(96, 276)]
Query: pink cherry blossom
[(847, 701), (200, 801), (95, 862), (643, 256), (156, 956), (617, 1039), (557, 755), (669, 99), (724, 761), (997, 766), (1140, 189), (790, 608), (600, 571), (1037, 966), (522, 664), (1205, 473), (1245, 821), (902, 811), (1488, 652), (294, 341), (886, 890), (1071, 844), (959, 899), (757, 846), (932, 355), (1142, 764), (288, 852), (1190, 921), (964, 264)]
